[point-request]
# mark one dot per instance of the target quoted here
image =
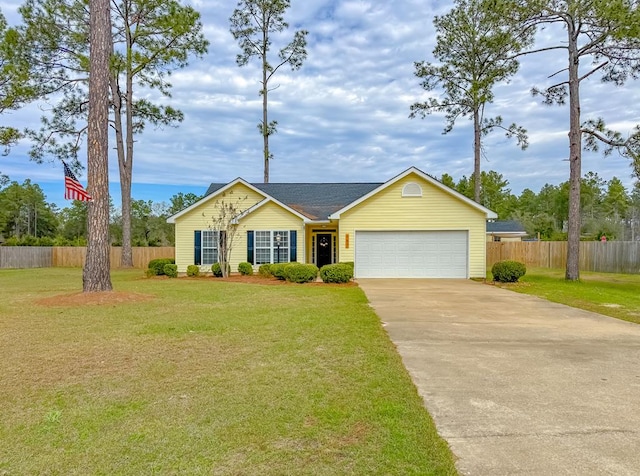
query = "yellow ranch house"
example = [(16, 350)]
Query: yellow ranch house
[(411, 226)]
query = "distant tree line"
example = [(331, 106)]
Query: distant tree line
[(27, 219), (608, 208)]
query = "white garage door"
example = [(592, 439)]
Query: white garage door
[(411, 254)]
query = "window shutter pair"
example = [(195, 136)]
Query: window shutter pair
[(293, 246), (197, 245)]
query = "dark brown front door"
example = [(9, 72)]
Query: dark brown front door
[(324, 251)]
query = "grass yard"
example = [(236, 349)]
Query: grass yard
[(201, 376), (615, 295)]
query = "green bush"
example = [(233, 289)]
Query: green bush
[(193, 270), (265, 270), (245, 268), (157, 265), (336, 273), (45, 241), (277, 270), (216, 269), (349, 263), (508, 271), (171, 270), (300, 273), (61, 241)]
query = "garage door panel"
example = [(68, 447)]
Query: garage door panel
[(411, 254)]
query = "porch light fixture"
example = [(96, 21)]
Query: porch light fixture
[(278, 238)]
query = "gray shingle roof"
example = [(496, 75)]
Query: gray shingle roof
[(314, 200), (505, 226)]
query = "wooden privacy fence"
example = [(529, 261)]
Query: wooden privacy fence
[(73, 256), (604, 257), (25, 256)]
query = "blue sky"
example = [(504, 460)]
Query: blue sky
[(343, 117)]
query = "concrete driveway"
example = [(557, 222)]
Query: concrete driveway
[(515, 384)]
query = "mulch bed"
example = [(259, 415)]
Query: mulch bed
[(257, 279)]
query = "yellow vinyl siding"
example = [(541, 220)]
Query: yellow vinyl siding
[(435, 210), (268, 217), (504, 239)]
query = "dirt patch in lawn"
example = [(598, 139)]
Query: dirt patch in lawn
[(94, 299)]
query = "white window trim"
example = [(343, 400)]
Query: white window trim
[(216, 247), (285, 251)]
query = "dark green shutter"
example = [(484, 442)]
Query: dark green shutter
[(197, 249), (293, 245), (250, 247)]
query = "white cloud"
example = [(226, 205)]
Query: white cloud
[(344, 115)]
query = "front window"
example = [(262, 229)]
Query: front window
[(209, 246), (271, 247)]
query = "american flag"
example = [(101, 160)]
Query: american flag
[(73, 190)]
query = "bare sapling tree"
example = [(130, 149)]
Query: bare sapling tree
[(224, 222)]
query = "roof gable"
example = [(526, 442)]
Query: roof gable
[(216, 190), (212, 194), (428, 178)]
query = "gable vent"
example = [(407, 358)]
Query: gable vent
[(412, 189)]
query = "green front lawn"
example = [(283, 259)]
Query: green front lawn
[(615, 295), (201, 376)]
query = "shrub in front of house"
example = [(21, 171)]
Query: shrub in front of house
[(156, 266), (300, 273), (277, 270), (349, 263), (216, 269), (265, 270), (193, 270), (336, 273), (508, 271), (245, 269), (171, 270)]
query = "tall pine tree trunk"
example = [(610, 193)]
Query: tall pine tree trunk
[(126, 165), (96, 275), (476, 155), (126, 260), (125, 161), (575, 157), (265, 102)]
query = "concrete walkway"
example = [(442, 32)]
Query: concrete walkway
[(515, 384)]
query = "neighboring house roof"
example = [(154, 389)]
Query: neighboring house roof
[(505, 227), (322, 201)]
